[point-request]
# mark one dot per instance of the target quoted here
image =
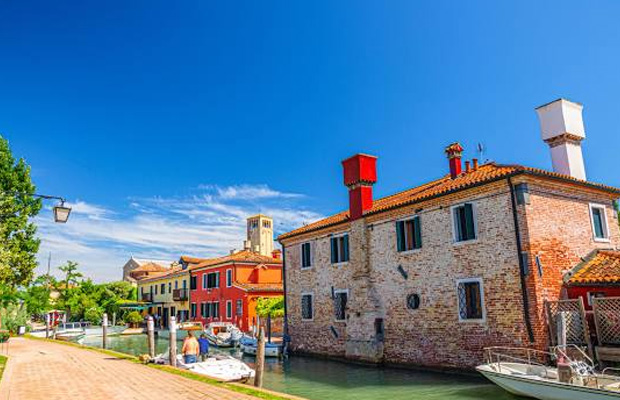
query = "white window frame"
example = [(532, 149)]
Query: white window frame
[(204, 281), (591, 207), (338, 235), (229, 277), (474, 210), (405, 219), (192, 307), (482, 303), (336, 291), (229, 309), (301, 306), (301, 256)]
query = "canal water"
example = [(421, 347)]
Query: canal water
[(332, 380)]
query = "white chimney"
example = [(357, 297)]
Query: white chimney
[(561, 125), (247, 245)]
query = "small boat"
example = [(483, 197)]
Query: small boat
[(70, 331), (525, 372), (219, 367), (223, 334), (191, 326), (249, 345)]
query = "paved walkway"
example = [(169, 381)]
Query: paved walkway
[(51, 371)]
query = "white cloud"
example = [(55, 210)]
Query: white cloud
[(207, 224)]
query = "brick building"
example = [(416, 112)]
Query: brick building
[(433, 274)]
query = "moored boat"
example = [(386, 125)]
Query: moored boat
[(219, 367), (249, 345), (527, 372), (223, 334), (70, 331)]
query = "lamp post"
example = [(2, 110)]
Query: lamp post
[(61, 212)]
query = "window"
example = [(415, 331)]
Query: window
[(594, 295), (340, 249), (306, 307), (212, 280), (229, 309), (155, 289), (266, 224), (176, 284), (204, 281), (203, 311), (193, 282), (215, 309), (470, 299), (228, 277), (169, 287), (464, 220), (340, 304), (162, 288), (598, 214), (239, 308), (413, 301), (193, 310), (185, 284), (409, 234), (306, 255)]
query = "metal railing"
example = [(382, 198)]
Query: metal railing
[(180, 294), (147, 297)]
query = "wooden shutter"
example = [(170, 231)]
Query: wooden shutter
[(400, 235), (334, 249), (470, 232), (417, 233), (345, 247)]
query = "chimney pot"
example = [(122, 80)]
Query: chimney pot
[(454, 153), (475, 160), (360, 173), (467, 166), (561, 126)]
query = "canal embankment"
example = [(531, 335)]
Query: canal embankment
[(47, 369)]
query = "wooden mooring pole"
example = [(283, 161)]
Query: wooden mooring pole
[(105, 330), (172, 326), (150, 336), (47, 326), (260, 357)]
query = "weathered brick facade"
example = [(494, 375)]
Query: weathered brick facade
[(554, 224)]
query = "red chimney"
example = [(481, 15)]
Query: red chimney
[(454, 152), (360, 173), (277, 254)]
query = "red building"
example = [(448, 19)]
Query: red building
[(597, 276), (228, 288)]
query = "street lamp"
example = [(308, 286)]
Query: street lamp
[(61, 213)]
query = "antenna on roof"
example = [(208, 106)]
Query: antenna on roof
[(481, 149)]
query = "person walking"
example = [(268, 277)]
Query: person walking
[(190, 348), (204, 347)]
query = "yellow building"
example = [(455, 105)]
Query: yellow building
[(167, 294)]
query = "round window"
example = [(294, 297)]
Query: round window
[(413, 301)]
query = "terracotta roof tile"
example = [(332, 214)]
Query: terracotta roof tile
[(240, 256), (150, 267), (602, 266), (164, 274), (485, 173), (260, 287)]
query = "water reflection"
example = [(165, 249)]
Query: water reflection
[(331, 380)]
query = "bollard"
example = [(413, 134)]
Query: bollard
[(47, 326), (114, 318), (260, 357), (150, 336), (173, 341), (105, 330)]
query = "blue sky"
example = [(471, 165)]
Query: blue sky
[(165, 123)]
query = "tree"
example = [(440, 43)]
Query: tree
[(71, 276), (270, 307), (18, 244)]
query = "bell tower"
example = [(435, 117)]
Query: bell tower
[(260, 234)]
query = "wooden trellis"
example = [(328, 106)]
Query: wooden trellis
[(607, 320), (573, 314)]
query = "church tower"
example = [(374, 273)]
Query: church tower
[(260, 234)]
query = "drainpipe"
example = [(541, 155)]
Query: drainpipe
[(526, 308), (286, 338)]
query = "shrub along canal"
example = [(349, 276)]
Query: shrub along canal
[(332, 380)]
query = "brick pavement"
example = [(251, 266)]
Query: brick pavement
[(51, 371)]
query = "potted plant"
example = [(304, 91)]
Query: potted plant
[(134, 319), (4, 336)]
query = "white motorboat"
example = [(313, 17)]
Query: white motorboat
[(219, 367), (223, 334), (527, 372), (249, 346)]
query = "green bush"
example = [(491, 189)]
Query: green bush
[(134, 317), (4, 336), (94, 315), (13, 316)]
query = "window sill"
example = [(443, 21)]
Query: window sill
[(602, 240), (306, 268), (465, 242), (340, 264), (307, 320), (407, 252), (473, 321), (340, 321)]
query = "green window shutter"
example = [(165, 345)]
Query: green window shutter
[(334, 250), (417, 233), (598, 223), (400, 235), (470, 232), (345, 248)]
